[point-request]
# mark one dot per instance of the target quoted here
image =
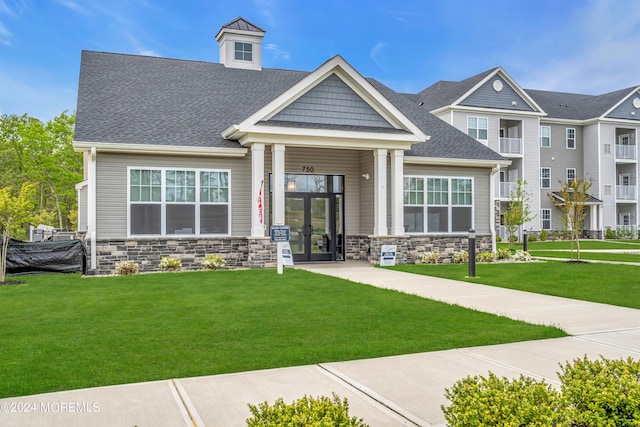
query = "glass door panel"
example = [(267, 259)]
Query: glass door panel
[(294, 218), (321, 229)]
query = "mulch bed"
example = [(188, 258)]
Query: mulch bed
[(12, 282)]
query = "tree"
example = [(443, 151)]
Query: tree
[(519, 212), (33, 151), (572, 200), (15, 210)]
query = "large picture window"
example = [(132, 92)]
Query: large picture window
[(167, 202), (447, 207)]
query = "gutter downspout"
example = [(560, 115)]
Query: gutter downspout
[(91, 205), (492, 198)]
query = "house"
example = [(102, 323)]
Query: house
[(187, 158), (551, 137)]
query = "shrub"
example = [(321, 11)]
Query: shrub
[(170, 264), (532, 239), (543, 235), (493, 401), (609, 234), (498, 239), (503, 253), (460, 257), (429, 257), (486, 256), (522, 256), (125, 268), (307, 411), (213, 262), (602, 392)]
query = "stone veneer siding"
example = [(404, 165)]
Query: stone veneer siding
[(241, 252)]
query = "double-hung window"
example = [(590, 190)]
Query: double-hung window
[(545, 177), (545, 219), (571, 175), (545, 136), (571, 138), (168, 202), (477, 127), (447, 206)]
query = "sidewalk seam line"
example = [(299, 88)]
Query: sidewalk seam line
[(186, 406), (371, 394)]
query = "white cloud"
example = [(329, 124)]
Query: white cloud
[(604, 37), (377, 52), (148, 52), (277, 53), (70, 4)]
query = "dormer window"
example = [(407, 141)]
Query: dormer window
[(243, 51)]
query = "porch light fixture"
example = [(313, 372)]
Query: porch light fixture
[(291, 186), (365, 175)]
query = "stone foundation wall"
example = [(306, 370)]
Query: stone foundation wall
[(240, 252)]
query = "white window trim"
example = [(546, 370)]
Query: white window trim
[(235, 50), (477, 128), (575, 138), (545, 146), (449, 205), (542, 219), (542, 186), (575, 174), (163, 202)]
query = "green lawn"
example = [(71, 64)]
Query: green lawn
[(588, 256), (606, 283), (562, 249), (63, 331)]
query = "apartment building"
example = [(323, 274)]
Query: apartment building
[(551, 138)]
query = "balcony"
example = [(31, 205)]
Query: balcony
[(511, 146), (506, 188), (626, 192), (625, 152)]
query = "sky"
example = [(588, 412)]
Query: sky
[(579, 46)]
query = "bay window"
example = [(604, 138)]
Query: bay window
[(167, 202), (447, 207)]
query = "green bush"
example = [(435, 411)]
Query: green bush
[(125, 268), (544, 235), (503, 253), (592, 393), (486, 256), (170, 264), (602, 392), (532, 239), (460, 257), (498, 239), (609, 234), (213, 262), (307, 411), (493, 401)]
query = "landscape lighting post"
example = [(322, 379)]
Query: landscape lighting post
[(472, 253), (525, 240)]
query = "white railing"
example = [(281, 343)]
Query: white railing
[(510, 145), (506, 188), (629, 231), (627, 152), (626, 192)]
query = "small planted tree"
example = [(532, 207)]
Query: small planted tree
[(519, 212), (572, 201), (15, 210)]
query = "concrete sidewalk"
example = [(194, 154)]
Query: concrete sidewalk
[(390, 391)]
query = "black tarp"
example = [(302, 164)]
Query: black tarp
[(63, 256)]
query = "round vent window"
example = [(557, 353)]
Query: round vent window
[(636, 102), (497, 85)]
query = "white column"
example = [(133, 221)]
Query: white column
[(492, 205), (277, 161), (257, 190), (380, 192), (593, 217), (91, 205), (397, 205)]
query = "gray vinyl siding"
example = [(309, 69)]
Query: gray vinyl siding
[(624, 110), (327, 162), (332, 102), (482, 205), (367, 193), (485, 96), (111, 172)]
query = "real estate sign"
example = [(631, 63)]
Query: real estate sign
[(388, 255)]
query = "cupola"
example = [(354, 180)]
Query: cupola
[(241, 45)]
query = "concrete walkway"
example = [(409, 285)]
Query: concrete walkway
[(392, 391)]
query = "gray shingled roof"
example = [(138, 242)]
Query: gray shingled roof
[(149, 100), (561, 105), (447, 92)]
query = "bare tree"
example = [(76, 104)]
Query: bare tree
[(572, 201)]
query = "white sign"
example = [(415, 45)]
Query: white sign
[(287, 256), (388, 255)]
